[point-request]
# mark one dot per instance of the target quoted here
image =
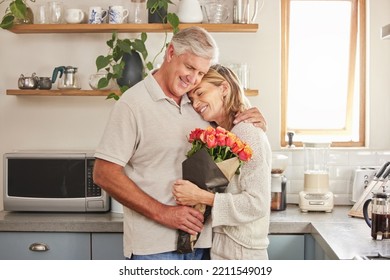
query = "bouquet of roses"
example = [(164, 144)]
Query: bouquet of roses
[(215, 156)]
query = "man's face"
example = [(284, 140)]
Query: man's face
[(185, 72)]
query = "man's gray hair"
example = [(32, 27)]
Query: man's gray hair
[(197, 41)]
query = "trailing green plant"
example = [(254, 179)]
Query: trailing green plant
[(17, 10), (113, 64)]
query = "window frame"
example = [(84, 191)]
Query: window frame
[(358, 38)]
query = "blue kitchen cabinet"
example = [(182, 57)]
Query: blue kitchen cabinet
[(107, 246), (44, 246), (295, 247), (313, 250), (286, 247)]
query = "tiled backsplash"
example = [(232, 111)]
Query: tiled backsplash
[(342, 164)]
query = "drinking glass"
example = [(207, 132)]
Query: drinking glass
[(56, 12)]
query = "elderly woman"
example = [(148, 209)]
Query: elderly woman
[(240, 215)]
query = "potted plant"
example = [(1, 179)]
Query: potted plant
[(123, 61), (120, 52), (17, 12), (157, 10)]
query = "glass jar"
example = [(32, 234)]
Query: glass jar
[(94, 80), (316, 172)]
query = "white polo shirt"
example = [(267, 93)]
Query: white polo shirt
[(147, 134)]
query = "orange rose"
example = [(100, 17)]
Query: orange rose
[(195, 135), (230, 139), (208, 131), (245, 154), (237, 146), (221, 137), (211, 141)]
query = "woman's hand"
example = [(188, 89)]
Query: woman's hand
[(252, 115), (187, 193)]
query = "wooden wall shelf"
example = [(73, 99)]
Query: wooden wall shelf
[(125, 28), (39, 92), (109, 28)]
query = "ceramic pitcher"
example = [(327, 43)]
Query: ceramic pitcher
[(189, 11)]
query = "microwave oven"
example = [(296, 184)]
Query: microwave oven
[(52, 182)]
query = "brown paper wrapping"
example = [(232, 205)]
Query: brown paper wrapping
[(201, 170)]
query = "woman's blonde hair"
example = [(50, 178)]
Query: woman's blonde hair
[(234, 100)]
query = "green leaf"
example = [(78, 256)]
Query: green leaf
[(110, 43), (125, 45), (123, 88), (150, 66), (152, 5), (117, 69), (113, 96), (102, 61), (144, 36), (7, 21), (110, 76), (117, 53), (140, 47), (174, 21), (103, 82), (18, 9)]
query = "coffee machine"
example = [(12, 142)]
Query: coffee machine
[(316, 195), (278, 182)]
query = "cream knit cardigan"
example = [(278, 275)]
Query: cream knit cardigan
[(243, 211)]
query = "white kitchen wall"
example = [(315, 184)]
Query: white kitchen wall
[(30, 123)]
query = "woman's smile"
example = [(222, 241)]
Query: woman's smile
[(202, 108)]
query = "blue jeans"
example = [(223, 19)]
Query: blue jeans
[(198, 254)]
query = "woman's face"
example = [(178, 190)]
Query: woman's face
[(207, 100)]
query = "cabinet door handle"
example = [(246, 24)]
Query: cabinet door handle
[(39, 247)]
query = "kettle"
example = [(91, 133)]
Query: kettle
[(380, 214), (67, 78), (28, 82)]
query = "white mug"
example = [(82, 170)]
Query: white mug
[(74, 15), (117, 14), (97, 15)]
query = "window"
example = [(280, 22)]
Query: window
[(323, 71)]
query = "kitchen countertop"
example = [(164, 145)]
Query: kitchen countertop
[(340, 236)]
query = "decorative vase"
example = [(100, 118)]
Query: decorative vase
[(29, 18), (190, 11), (159, 16), (133, 70)]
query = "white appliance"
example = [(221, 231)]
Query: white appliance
[(316, 195), (362, 177)]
